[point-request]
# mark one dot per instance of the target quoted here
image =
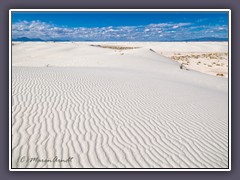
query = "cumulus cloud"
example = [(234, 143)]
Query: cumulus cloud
[(151, 32)]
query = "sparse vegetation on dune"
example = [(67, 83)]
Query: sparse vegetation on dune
[(197, 56), (214, 63), (115, 47)]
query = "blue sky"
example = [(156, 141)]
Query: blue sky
[(120, 26)]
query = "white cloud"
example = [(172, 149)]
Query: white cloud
[(146, 30)]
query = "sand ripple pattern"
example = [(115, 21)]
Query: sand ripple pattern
[(106, 118)]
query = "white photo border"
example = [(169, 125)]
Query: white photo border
[(119, 169)]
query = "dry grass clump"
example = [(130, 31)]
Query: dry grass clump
[(115, 47), (183, 67), (219, 74)]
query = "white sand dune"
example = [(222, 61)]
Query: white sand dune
[(107, 108)]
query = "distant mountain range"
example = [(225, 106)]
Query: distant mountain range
[(207, 39), (25, 39)]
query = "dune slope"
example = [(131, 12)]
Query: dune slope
[(136, 110)]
